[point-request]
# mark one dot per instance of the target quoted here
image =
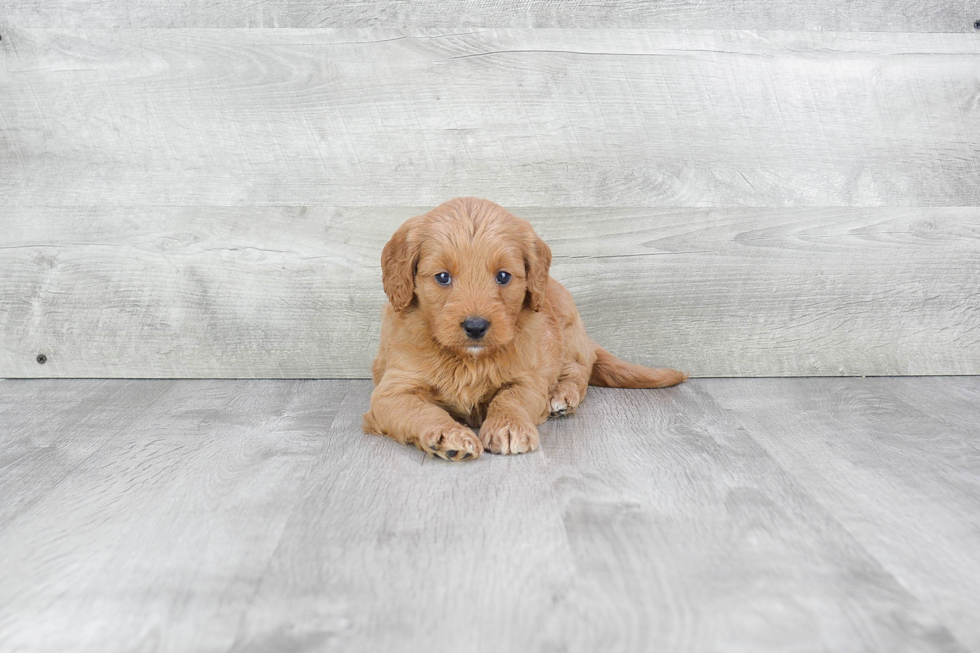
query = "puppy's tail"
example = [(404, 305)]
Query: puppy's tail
[(610, 372)]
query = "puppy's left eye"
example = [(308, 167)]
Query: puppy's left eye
[(503, 278), (443, 279)]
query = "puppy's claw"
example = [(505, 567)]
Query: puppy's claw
[(564, 400), (452, 443), (558, 411)]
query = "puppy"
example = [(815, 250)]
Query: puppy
[(479, 344)]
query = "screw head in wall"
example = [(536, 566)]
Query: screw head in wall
[(42, 359)]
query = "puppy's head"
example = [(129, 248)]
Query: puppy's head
[(471, 267)]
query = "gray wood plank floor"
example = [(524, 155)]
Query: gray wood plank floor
[(722, 515)]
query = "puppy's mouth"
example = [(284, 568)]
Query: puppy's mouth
[(475, 350)]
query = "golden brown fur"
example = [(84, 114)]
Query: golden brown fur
[(435, 384)]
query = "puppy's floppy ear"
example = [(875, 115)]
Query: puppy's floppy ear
[(537, 261), (398, 261)]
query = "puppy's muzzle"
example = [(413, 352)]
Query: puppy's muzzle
[(475, 327)]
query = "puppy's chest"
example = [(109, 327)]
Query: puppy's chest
[(467, 396)]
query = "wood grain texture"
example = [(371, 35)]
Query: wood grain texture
[(689, 537), (296, 291), (528, 117), (903, 482), (945, 401), (389, 550), (251, 516), (836, 15), (156, 539), (55, 429)]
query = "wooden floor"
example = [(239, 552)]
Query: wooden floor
[(723, 515)]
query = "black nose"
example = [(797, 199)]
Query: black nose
[(475, 327)]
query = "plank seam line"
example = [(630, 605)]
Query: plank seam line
[(272, 555), (805, 491), (71, 472)]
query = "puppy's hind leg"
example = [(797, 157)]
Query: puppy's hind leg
[(568, 393)]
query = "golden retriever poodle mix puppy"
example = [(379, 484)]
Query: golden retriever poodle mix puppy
[(479, 344)]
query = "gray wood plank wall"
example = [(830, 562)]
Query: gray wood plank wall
[(826, 15), (296, 291), (212, 202)]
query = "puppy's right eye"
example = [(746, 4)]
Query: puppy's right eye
[(443, 279)]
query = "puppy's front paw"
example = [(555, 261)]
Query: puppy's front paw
[(506, 434), (451, 443), (564, 399)]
